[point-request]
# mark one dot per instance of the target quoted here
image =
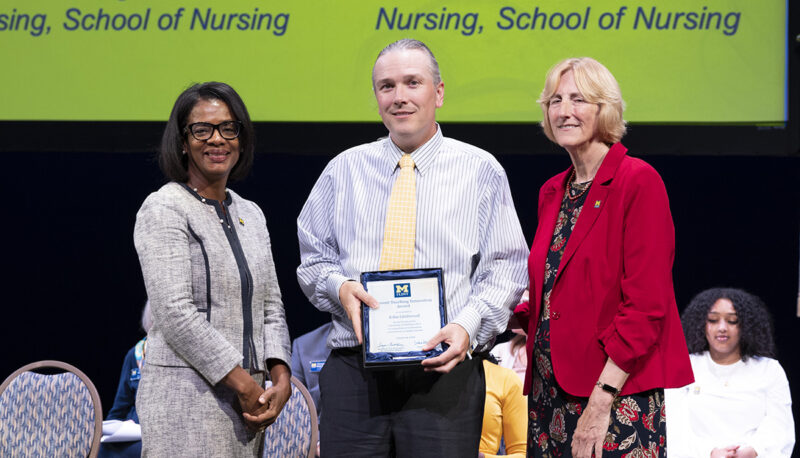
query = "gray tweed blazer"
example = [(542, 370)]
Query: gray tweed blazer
[(211, 281)]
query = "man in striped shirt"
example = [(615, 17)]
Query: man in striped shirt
[(466, 224)]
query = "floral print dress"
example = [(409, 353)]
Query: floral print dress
[(637, 425)]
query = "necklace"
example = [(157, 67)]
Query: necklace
[(202, 199), (577, 196), (211, 208)]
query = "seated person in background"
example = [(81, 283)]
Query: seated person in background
[(309, 353), (124, 407), (739, 404), (512, 354), (505, 412)]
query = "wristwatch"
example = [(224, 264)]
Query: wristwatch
[(607, 388)]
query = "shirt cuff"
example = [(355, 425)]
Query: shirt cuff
[(470, 320), (333, 284)]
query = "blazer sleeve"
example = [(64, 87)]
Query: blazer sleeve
[(161, 236), (523, 314), (648, 252)]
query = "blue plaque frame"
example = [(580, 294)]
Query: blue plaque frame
[(387, 360)]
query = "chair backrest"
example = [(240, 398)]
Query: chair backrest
[(295, 432), (49, 414)]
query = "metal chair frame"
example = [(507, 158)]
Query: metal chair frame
[(312, 411)]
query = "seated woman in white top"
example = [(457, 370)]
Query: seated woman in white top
[(739, 404)]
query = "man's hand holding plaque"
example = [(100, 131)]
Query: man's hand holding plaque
[(351, 296), (457, 338)]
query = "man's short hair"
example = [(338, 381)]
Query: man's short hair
[(409, 44)]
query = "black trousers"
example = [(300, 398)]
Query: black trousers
[(402, 412)]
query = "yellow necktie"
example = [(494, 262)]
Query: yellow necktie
[(401, 220)]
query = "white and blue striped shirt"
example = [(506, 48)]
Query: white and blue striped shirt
[(466, 224)]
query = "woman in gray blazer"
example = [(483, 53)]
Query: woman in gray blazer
[(218, 320)]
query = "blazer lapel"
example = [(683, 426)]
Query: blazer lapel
[(594, 204)]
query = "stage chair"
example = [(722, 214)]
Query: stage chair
[(55, 414), (295, 432)]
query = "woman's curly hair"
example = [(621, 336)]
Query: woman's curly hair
[(755, 322)]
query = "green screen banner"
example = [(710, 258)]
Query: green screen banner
[(677, 61)]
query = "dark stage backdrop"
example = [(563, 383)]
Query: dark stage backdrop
[(73, 289)]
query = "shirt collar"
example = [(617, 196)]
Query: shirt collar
[(423, 156)]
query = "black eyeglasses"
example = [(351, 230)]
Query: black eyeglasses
[(202, 131)]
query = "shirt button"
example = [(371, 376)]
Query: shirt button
[(555, 315)]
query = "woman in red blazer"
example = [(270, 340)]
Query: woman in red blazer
[(605, 338)]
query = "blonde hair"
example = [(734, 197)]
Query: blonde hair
[(598, 86)]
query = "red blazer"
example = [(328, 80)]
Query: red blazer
[(613, 294)]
